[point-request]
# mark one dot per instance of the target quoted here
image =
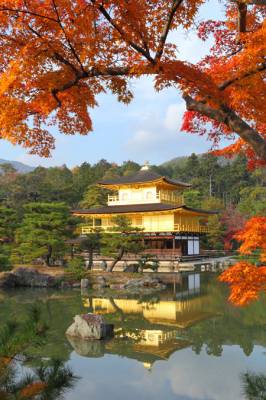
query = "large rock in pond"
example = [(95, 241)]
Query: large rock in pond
[(90, 326)]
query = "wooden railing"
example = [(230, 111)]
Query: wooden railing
[(193, 228), (159, 197)]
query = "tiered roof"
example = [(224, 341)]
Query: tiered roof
[(133, 208), (144, 176)]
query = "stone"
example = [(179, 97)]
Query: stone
[(7, 279), (30, 277), (101, 280), (87, 348), (84, 283), (97, 286), (117, 286), (146, 282), (76, 285), (103, 265), (90, 326), (101, 283), (65, 285), (131, 268)]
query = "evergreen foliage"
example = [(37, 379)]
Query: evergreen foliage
[(43, 231), (76, 267), (8, 223), (254, 386), (47, 381), (90, 243), (123, 239), (94, 197), (217, 184)]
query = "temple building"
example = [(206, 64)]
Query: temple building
[(154, 203)]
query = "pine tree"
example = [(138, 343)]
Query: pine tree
[(124, 239), (8, 223), (42, 233), (94, 197), (91, 243), (46, 382)]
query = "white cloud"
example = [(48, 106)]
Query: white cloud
[(173, 117), (158, 138)]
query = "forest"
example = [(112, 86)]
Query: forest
[(36, 207)]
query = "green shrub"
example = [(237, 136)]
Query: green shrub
[(5, 264), (148, 261), (76, 267)]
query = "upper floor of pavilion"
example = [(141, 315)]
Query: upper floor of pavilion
[(144, 187)]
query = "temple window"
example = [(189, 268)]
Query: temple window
[(149, 195), (124, 196)]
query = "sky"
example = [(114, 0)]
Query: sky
[(148, 129)]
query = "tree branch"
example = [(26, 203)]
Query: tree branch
[(175, 5), (17, 10), (253, 2), (242, 16), (135, 46), (229, 82), (93, 73), (65, 34), (228, 117)]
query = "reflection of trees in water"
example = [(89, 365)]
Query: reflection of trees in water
[(228, 329), (254, 386), (240, 326), (244, 327), (57, 308), (117, 309)]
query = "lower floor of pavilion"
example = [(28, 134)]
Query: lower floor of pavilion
[(172, 244)]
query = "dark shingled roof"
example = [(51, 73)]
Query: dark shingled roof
[(132, 208), (142, 176)]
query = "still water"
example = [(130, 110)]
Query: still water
[(185, 343)]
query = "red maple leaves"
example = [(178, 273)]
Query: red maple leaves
[(246, 280)]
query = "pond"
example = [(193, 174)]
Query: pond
[(184, 343)]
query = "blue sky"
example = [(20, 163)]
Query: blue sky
[(146, 129)]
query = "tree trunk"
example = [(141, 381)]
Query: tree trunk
[(118, 258), (48, 256), (90, 259), (228, 117), (72, 252), (118, 309)]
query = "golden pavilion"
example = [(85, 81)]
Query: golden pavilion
[(154, 203)]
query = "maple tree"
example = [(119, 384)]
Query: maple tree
[(233, 221), (58, 55), (246, 279)]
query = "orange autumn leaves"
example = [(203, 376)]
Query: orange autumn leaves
[(57, 56), (253, 237), (32, 390), (245, 279), (236, 64)]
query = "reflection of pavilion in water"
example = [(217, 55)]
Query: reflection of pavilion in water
[(153, 329), (186, 309)]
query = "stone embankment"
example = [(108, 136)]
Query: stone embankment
[(30, 277), (43, 278)]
